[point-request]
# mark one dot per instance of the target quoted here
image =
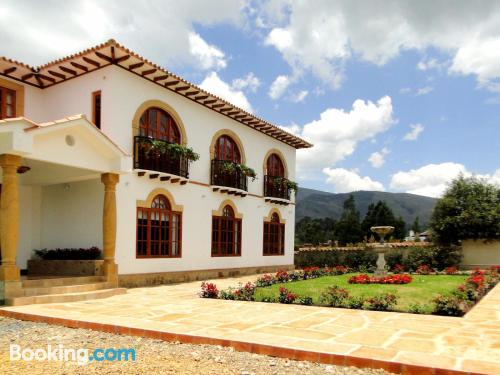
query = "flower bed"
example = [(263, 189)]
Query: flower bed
[(468, 294), (304, 274), (313, 285), (390, 279)]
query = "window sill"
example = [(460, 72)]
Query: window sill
[(157, 256)]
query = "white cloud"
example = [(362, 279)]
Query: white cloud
[(415, 131), (323, 37), (279, 86), (405, 90), (433, 179), (480, 57), (300, 96), (336, 133), (213, 84), (36, 32), (424, 90), (377, 159), (209, 57), (430, 64), (345, 181), (250, 81)]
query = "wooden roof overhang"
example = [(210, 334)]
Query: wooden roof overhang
[(113, 53)]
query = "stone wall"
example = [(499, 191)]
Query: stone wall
[(146, 279), (480, 253), (65, 267)]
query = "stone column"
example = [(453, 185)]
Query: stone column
[(9, 217), (109, 226)]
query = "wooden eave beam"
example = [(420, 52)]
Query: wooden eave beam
[(10, 70), (46, 78), (67, 70), (161, 78), (27, 76), (200, 97), (239, 116), (39, 80), (148, 72), (171, 83), (225, 109), (56, 74), (79, 66), (189, 93), (182, 88), (136, 65), (91, 62), (210, 101), (218, 105), (102, 56), (232, 113), (122, 59)]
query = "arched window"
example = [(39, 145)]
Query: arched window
[(226, 234), (275, 166), (158, 230), (227, 149), (274, 236), (158, 124)]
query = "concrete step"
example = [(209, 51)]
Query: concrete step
[(37, 291), (63, 298), (62, 281)]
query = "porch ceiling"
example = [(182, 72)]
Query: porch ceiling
[(45, 173)]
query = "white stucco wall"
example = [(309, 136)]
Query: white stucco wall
[(198, 203), (29, 226), (479, 253), (73, 217)]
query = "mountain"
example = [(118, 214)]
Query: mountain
[(319, 204)]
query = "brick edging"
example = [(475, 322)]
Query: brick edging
[(271, 350)]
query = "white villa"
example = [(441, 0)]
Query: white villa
[(95, 151)]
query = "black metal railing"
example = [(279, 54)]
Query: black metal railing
[(225, 173), (276, 187), (146, 157)]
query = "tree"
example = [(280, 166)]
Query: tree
[(381, 214), (469, 209), (315, 231), (415, 227), (348, 228)]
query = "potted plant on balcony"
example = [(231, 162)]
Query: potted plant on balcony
[(231, 167), (280, 182), (156, 147)]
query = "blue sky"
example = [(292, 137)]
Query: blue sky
[(396, 96)]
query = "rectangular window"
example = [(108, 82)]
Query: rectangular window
[(226, 236), (7, 103), (274, 238), (158, 233), (96, 108)]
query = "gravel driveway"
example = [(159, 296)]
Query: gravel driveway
[(152, 356)]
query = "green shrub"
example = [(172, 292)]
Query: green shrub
[(438, 257), (69, 254), (334, 296), (381, 302), (305, 301)]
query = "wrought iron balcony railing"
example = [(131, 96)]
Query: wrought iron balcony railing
[(146, 157), (276, 187), (226, 173)]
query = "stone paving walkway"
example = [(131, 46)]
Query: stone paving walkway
[(364, 338)]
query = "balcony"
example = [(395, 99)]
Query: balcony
[(164, 165), (226, 177), (276, 189)]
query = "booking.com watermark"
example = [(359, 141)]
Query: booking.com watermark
[(81, 356)]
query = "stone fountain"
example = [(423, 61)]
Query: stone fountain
[(381, 248)]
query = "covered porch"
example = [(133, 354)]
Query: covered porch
[(58, 183)]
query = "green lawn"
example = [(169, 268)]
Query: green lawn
[(421, 290)]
